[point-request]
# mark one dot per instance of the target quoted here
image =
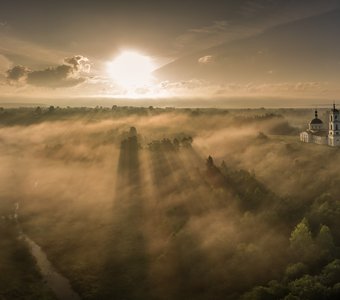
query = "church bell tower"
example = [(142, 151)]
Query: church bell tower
[(334, 127)]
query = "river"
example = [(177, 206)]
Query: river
[(59, 284)]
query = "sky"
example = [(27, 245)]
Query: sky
[(284, 49)]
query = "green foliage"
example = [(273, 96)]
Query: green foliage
[(273, 291), (331, 273), (301, 242), (294, 271), (259, 293), (309, 288), (291, 297), (326, 210), (252, 193), (325, 243)]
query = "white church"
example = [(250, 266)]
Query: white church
[(318, 134)]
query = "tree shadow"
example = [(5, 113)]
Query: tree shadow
[(125, 272), (181, 265), (162, 174)]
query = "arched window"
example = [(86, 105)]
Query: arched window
[(336, 126), (331, 118)]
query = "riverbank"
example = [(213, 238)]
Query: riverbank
[(56, 282), (19, 275)]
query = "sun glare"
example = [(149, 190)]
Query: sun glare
[(131, 69)]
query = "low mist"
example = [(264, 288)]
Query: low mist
[(167, 203)]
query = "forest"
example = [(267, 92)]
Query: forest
[(167, 203)]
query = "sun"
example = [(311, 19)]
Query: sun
[(131, 69)]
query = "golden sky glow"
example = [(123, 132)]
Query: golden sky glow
[(131, 69), (247, 48)]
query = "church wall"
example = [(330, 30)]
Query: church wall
[(334, 141), (305, 137), (321, 140)]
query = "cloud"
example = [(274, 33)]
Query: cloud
[(66, 75), (216, 26), (208, 89), (79, 63), (208, 59), (17, 73), (60, 76), (188, 84)]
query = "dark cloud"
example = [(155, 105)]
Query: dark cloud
[(66, 75), (17, 73), (60, 76)]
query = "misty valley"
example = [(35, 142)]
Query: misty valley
[(164, 203)]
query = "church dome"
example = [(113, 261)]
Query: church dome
[(316, 121)]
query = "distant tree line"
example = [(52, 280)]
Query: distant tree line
[(166, 144)]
